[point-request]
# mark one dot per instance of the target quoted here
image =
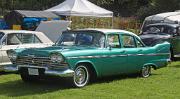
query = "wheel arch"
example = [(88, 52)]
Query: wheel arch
[(154, 66), (90, 65)]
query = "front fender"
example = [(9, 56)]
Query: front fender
[(74, 64)]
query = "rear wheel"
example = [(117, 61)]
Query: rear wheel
[(146, 71), (81, 76), (172, 55)]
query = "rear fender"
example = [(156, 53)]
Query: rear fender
[(163, 47), (154, 66)]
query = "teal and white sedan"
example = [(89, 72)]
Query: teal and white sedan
[(89, 53)]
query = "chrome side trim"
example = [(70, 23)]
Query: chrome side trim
[(103, 56), (36, 57), (112, 56)]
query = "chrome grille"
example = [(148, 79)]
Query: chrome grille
[(38, 61)]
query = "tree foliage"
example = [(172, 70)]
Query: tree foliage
[(125, 8)]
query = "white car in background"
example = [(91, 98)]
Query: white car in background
[(13, 39)]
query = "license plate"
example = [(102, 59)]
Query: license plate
[(32, 71)]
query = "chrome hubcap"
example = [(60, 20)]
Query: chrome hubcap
[(146, 71), (81, 76)]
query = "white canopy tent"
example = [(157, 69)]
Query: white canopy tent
[(80, 8)]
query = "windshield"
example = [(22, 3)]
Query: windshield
[(94, 39), (1, 35), (159, 29)]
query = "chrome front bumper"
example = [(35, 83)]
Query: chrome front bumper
[(48, 71), (9, 68)]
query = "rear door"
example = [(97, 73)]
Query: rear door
[(134, 50)]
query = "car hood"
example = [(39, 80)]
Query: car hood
[(45, 52), (153, 39)]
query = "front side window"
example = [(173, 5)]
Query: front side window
[(82, 38), (128, 41), (113, 40)]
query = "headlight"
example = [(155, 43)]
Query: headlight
[(56, 58), (12, 55)]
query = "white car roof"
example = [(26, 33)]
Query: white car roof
[(40, 35), (17, 31), (106, 31)]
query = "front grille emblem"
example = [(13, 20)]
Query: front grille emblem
[(32, 61)]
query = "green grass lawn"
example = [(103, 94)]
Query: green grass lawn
[(163, 84)]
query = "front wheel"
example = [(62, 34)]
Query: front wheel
[(81, 76), (146, 71)]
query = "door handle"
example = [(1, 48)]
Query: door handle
[(140, 50), (123, 51)]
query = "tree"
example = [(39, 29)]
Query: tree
[(158, 6)]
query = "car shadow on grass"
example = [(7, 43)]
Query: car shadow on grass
[(19, 88), (110, 79), (5, 73), (175, 66), (50, 84)]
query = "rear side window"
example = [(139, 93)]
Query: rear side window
[(128, 41), (138, 43)]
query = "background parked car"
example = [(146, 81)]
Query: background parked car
[(160, 32), (13, 39), (90, 53)]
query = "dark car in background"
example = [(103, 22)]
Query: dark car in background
[(157, 33)]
